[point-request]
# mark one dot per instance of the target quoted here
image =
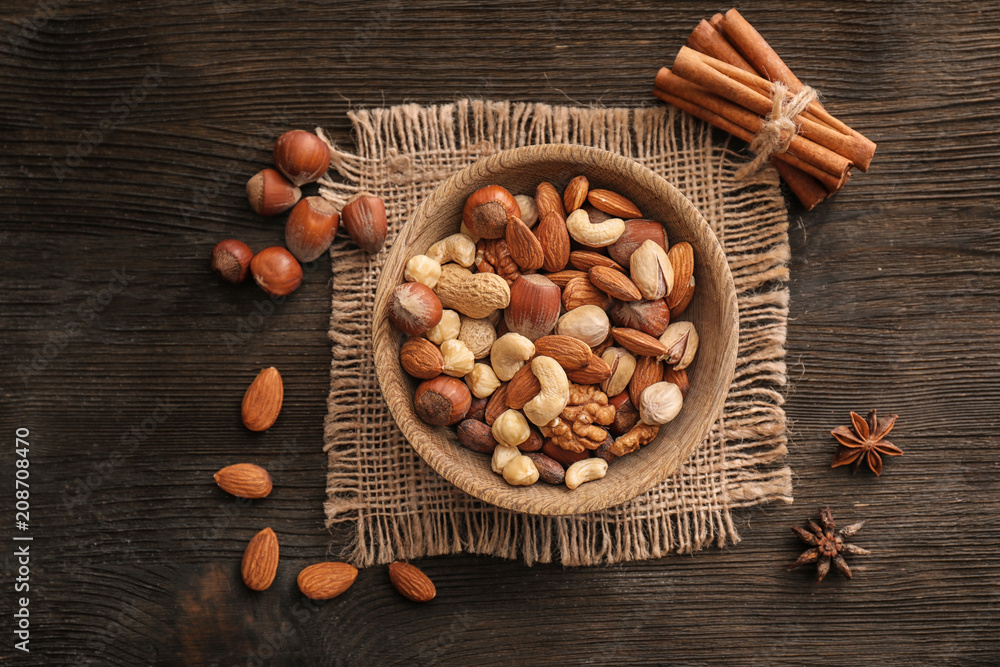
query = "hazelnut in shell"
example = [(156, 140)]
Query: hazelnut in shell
[(534, 306), (487, 210), (231, 260), (276, 271), (442, 401), (301, 156), (310, 229), (270, 193), (364, 219), (414, 308)]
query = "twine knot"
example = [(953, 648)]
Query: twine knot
[(779, 128)]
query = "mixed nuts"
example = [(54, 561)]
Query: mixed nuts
[(546, 330)]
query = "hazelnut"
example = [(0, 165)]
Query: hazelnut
[(310, 229), (414, 308), (626, 414), (458, 359), (650, 317), (423, 269), (364, 219), (442, 401), (231, 260), (520, 471), (636, 233), (447, 329), (270, 193), (534, 306), (276, 271), (301, 156), (486, 211)]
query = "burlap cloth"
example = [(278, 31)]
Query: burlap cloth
[(396, 506)]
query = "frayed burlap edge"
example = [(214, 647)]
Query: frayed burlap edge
[(398, 506)]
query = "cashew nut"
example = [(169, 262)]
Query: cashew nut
[(596, 235), (455, 248), (447, 329), (479, 335), (423, 269), (585, 470), (509, 353), (651, 270), (529, 212), (458, 359), (503, 455), (660, 402), (587, 323), (511, 428), (521, 471), (482, 381), (473, 294), (554, 395)]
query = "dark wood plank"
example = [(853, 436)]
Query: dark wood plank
[(126, 135)]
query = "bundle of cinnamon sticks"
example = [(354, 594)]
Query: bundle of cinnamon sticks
[(726, 75)]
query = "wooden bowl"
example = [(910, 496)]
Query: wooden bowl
[(713, 311)]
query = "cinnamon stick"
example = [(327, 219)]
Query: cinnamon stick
[(823, 164), (769, 65), (754, 93), (707, 39)]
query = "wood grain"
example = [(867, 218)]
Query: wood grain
[(895, 305)]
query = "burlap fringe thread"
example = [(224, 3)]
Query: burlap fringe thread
[(399, 507)]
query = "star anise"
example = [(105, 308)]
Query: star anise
[(865, 442), (827, 546)]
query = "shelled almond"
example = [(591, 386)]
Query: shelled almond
[(565, 297)]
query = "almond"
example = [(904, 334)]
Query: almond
[(523, 387), (681, 256), (524, 247), (682, 300), (576, 193), (325, 581), (260, 560), (614, 283), (679, 378), (613, 204), (262, 400), (595, 372), (411, 582), (244, 480), (585, 260), (497, 405), (581, 292), (648, 371), (421, 358), (571, 353), (554, 239), (638, 342), (547, 200), (562, 277)]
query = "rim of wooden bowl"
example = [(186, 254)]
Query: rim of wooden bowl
[(714, 310)]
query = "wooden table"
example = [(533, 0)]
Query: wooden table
[(128, 131)]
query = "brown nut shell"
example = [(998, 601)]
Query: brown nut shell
[(442, 401), (364, 219)]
